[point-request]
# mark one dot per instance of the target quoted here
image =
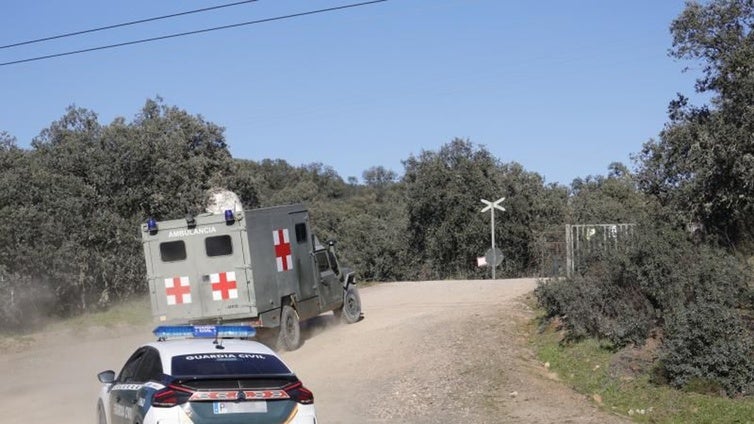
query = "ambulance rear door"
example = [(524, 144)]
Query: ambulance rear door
[(226, 287), (198, 273)]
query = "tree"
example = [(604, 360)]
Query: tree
[(532, 210), (7, 142), (446, 230), (379, 179), (181, 156), (443, 188), (703, 164), (73, 205), (611, 199), (244, 183), (700, 171)]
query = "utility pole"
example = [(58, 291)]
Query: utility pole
[(491, 206)]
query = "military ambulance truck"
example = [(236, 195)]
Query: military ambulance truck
[(260, 266)]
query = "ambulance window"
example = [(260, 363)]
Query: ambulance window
[(333, 261), (218, 246), (172, 251), (322, 263), (301, 232)]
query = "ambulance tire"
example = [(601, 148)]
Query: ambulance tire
[(289, 336), (351, 311)]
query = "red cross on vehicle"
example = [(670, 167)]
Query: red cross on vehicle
[(282, 249), (178, 290), (224, 285)]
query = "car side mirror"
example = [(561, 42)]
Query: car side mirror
[(106, 377)]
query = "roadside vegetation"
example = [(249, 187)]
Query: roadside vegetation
[(622, 383), (680, 288), (679, 282), (682, 280)]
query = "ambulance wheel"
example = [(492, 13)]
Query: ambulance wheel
[(351, 311), (289, 337)]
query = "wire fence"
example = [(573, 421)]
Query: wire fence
[(560, 253)]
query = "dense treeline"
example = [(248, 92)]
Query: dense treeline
[(72, 204)]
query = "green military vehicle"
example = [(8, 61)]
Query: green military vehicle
[(263, 267)]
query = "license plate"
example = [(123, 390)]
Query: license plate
[(256, 406)]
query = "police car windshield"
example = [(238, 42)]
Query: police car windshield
[(227, 364)]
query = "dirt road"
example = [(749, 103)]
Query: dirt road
[(426, 352)]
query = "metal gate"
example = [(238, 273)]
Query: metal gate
[(582, 239)]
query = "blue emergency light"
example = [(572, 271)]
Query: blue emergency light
[(152, 225), (164, 332), (229, 218)]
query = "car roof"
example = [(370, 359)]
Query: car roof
[(192, 346), (188, 346)]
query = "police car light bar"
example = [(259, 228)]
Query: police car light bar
[(164, 332)]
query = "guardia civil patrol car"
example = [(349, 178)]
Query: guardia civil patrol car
[(197, 374)]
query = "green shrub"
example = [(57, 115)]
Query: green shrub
[(692, 294), (591, 307), (706, 345)]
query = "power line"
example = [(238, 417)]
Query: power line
[(182, 34), (140, 21)]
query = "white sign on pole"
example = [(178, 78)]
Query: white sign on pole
[(491, 206)]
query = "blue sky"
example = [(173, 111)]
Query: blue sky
[(562, 87)]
